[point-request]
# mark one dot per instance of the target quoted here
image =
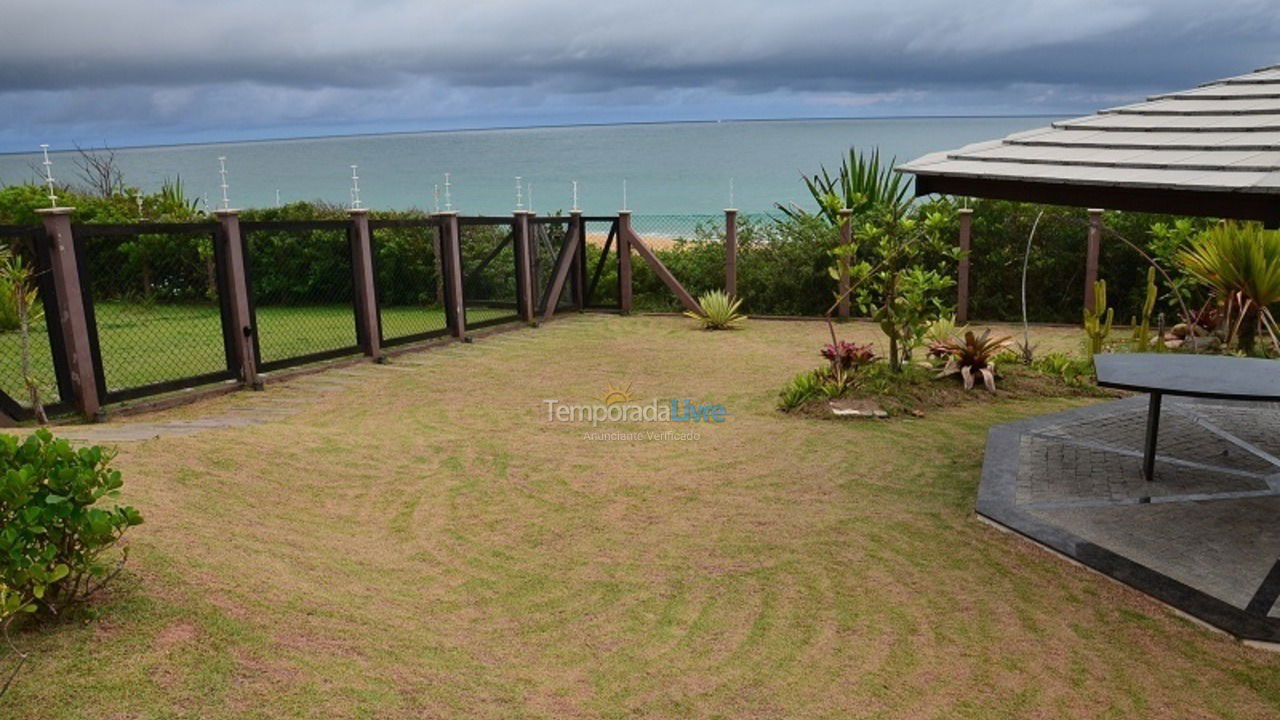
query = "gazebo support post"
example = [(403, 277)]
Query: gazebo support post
[(962, 272), (1091, 256)]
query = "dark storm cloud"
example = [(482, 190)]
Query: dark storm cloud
[(175, 64)]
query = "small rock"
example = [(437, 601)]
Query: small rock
[(860, 408), (1180, 330), (1174, 343)]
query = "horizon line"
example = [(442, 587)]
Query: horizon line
[(552, 126)]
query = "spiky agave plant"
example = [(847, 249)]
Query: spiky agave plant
[(719, 311), (974, 356)]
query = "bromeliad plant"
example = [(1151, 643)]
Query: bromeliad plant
[(845, 359), (973, 356), (719, 311)]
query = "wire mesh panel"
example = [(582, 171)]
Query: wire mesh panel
[(301, 283), (547, 241), (409, 281), (15, 399), (602, 277), (690, 246), (152, 301), (487, 249)]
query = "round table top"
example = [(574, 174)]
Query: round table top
[(1207, 376)]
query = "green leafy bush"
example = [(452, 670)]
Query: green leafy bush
[(54, 536)]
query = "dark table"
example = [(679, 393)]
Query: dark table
[(1204, 376)]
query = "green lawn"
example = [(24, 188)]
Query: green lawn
[(425, 544), (144, 344)]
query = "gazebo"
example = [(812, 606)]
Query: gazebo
[(1213, 151), (1203, 539)]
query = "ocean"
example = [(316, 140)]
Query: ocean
[(668, 168)]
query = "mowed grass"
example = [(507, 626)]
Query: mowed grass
[(152, 343), (426, 545)]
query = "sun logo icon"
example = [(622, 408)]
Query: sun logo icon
[(616, 394)]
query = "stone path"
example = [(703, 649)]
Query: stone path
[(1202, 536), (251, 409)]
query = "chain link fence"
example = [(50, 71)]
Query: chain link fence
[(14, 397), (409, 280), (152, 301), (486, 247), (603, 290)]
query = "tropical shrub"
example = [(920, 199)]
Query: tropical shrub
[(1239, 263), (1076, 372), (8, 304), (802, 389), (18, 290), (862, 185), (719, 311), (973, 356), (55, 538), (896, 285)]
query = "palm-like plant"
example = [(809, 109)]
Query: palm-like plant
[(1240, 264), (719, 311), (861, 184), (972, 356)]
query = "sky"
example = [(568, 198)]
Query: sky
[(140, 72)]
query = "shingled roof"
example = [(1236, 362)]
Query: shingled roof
[(1211, 151)]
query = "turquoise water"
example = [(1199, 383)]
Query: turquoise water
[(673, 168)]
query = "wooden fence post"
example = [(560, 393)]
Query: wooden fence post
[(1091, 257), (579, 262), (624, 262), (962, 279), (235, 284), (65, 273), (451, 266), (731, 252), (842, 283), (524, 266), (366, 296)]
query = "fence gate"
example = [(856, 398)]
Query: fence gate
[(301, 291)]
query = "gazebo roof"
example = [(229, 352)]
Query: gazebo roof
[(1210, 151)]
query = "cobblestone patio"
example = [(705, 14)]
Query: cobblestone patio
[(1203, 536)]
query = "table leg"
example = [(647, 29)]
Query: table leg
[(1153, 429)]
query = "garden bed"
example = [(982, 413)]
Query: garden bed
[(917, 390)]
